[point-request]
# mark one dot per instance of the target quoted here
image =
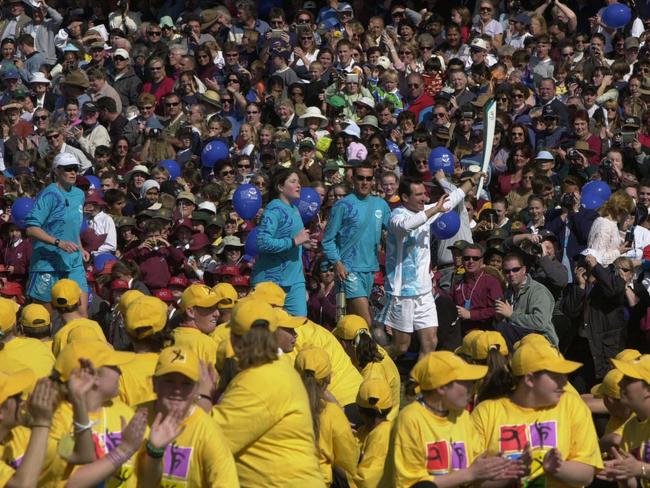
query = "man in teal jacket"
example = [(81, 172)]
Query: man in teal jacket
[(352, 239)]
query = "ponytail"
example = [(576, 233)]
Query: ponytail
[(316, 400), (366, 349), (499, 380)]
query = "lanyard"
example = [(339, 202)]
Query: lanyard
[(462, 289)]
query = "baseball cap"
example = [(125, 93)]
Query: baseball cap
[(65, 293), (249, 310), (35, 316), (632, 122), (164, 294), (545, 156), (375, 393), (314, 360), (287, 321), (348, 327), (459, 244), (15, 383), (631, 42), (198, 296), (609, 387), (384, 62), (12, 289), (65, 159), (145, 316), (549, 112), (628, 355), (186, 195), (465, 348), (270, 293), (121, 52), (176, 359), (531, 339), (100, 352), (8, 310), (177, 281), (523, 18), (227, 295), (89, 107), (440, 368), (241, 280), (540, 356), (486, 341), (127, 298), (638, 369), (344, 7), (479, 43)]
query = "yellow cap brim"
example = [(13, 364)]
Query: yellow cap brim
[(630, 369), (597, 390), (471, 372)]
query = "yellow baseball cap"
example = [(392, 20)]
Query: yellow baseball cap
[(65, 293), (270, 293), (638, 369), (531, 339), (466, 347), (316, 360), (628, 355), (198, 296), (176, 359), (224, 351), (375, 393), (286, 320), (145, 316), (15, 382), (35, 316), (100, 353), (227, 295), (440, 368), (348, 327), (609, 387), (540, 356), (127, 298), (486, 341), (249, 310), (8, 311)]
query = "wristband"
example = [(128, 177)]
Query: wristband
[(46, 426), (79, 428), (56, 242), (154, 452)]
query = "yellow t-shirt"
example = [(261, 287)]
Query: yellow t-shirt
[(6, 473), (425, 445), (61, 337), (136, 386), (506, 427), (387, 368), (15, 445), (615, 425), (265, 416), (374, 449), (346, 379), (636, 441), (199, 456), (33, 353), (196, 341), (337, 445), (107, 435)]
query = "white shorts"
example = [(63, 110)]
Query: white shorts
[(407, 314)]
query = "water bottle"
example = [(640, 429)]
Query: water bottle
[(340, 304)]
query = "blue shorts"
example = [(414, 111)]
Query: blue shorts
[(295, 302), (358, 284), (40, 284)]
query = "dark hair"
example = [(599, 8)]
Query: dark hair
[(279, 178), (515, 256), (405, 185), (112, 196), (498, 381), (366, 349)]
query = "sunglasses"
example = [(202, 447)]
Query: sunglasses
[(224, 100), (146, 107), (422, 162), (516, 269), (226, 173), (40, 117), (340, 195), (119, 58), (405, 52), (364, 178), (70, 168), (155, 68), (172, 104), (485, 9), (154, 33), (472, 258), (252, 113), (517, 134), (52, 136), (425, 48), (243, 166), (420, 139), (233, 81), (440, 115), (413, 85)]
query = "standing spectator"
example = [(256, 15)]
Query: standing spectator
[(160, 84), (123, 79), (54, 225), (43, 27), (604, 237)]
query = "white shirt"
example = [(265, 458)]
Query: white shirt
[(408, 249), (641, 240), (104, 224)]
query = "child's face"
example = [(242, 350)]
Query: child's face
[(186, 142)]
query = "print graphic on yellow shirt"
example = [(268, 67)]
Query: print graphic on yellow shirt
[(196, 341), (636, 441), (507, 427)]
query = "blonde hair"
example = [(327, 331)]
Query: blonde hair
[(619, 206), (542, 23), (257, 347), (465, 15)]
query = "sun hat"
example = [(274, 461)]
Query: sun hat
[(312, 113)]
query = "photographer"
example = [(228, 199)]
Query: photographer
[(596, 302)]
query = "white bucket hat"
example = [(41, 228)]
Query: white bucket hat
[(39, 77), (312, 113)]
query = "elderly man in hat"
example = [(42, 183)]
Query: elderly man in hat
[(14, 21)]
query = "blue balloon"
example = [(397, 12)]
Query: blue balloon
[(247, 200), (250, 246), (308, 204), (213, 152), (591, 201), (446, 226), (597, 188), (441, 158), (172, 167), (94, 182), (20, 210), (100, 260), (616, 15)]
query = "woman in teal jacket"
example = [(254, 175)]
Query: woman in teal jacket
[(280, 239)]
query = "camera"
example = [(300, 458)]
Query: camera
[(154, 133), (568, 201), (530, 248), (573, 155)]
